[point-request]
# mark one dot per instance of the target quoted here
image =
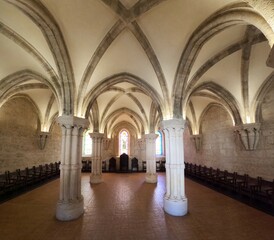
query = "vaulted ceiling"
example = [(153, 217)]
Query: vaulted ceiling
[(134, 61)]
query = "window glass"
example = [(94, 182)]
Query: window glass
[(87, 144), (123, 142), (159, 144)]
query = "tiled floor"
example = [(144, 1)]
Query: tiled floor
[(125, 207)]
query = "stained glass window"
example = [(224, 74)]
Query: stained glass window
[(123, 142), (87, 144), (159, 150)]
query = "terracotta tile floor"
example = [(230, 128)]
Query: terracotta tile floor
[(125, 207)]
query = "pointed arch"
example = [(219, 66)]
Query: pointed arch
[(118, 78), (221, 95), (233, 15), (9, 84), (44, 20)]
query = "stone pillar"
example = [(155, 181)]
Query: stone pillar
[(96, 157), (175, 201), (70, 205), (151, 176)]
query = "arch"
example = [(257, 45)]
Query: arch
[(39, 14), (135, 117), (229, 16), (223, 96), (258, 99), (10, 84), (215, 59), (20, 41), (207, 109), (49, 106), (120, 94), (152, 118), (116, 29), (33, 104), (118, 78), (95, 116)]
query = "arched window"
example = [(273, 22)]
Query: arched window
[(123, 142), (87, 144), (159, 149)]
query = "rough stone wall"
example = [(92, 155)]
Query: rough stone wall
[(222, 149), (18, 137)]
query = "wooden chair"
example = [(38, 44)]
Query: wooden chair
[(124, 162), (112, 165), (134, 165)]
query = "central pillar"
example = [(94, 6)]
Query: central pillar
[(175, 201), (70, 205), (96, 157), (150, 139)]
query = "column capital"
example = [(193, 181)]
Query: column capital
[(249, 134), (96, 135), (42, 139), (73, 121), (152, 136), (197, 140), (173, 123)]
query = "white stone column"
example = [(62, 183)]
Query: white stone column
[(151, 176), (175, 201), (96, 157), (70, 205)]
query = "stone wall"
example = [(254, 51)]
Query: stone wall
[(19, 138), (221, 147)]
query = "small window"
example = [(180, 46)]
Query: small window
[(124, 142), (159, 149), (87, 144)]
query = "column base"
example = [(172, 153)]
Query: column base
[(151, 177), (176, 207), (66, 211), (96, 178)]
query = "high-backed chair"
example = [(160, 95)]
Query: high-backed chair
[(112, 165), (134, 165), (104, 166), (124, 162)]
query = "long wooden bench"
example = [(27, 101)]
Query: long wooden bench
[(253, 190), (13, 183)]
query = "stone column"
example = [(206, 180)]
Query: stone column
[(175, 201), (96, 157), (151, 176), (70, 205)]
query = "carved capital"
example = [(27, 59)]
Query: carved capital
[(197, 140), (42, 139), (249, 135)]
